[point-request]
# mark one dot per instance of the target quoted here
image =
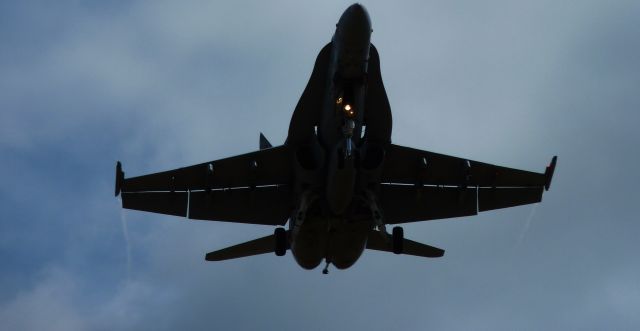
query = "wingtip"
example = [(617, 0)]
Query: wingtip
[(548, 174), (213, 256), (119, 178)]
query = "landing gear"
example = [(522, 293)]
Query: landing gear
[(307, 198), (280, 235), (397, 240), (325, 271), (376, 214)]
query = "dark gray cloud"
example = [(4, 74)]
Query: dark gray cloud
[(165, 84)]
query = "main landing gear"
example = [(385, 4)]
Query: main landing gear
[(370, 200), (396, 238), (280, 234), (307, 198)]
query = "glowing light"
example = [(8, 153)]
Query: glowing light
[(349, 111), (339, 101)]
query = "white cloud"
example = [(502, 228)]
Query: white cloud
[(50, 305)]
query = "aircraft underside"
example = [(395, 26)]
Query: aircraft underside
[(336, 240), (337, 181)]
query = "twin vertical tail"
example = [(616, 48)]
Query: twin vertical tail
[(264, 143)]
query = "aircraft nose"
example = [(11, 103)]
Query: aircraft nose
[(357, 9), (352, 40), (355, 18)]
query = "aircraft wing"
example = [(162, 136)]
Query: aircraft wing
[(420, 185), (250, 188)]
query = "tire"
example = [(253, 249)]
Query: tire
[(280, 235), (397, 240)]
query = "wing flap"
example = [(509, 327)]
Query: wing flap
[(170, 203), (496, 198), (408, 203), (265, 167), (269, 205)]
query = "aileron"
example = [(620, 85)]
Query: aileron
[(496, 198)]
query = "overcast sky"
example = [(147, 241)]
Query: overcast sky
[(165, 84)]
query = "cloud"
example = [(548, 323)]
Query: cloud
[(49, 305), (163, 84)]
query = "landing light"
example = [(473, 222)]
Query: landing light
[(349, 111)]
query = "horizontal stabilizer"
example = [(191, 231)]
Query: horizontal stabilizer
[(254, 247), (378, 241)]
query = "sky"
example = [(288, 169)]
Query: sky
[(165, 84)]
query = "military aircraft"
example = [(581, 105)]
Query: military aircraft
[(337, 181)]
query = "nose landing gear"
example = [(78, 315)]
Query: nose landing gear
[(325, 271)]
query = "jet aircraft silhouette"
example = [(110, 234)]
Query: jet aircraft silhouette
[(337, 181)]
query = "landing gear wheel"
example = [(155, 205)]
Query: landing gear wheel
[(397, 240), (280, 235)]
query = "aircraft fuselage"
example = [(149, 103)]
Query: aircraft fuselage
[(336, 216)]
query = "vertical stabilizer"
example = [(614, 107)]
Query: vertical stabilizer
[(264, 143)]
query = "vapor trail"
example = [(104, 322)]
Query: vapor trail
[(125, 233), (527, 224)]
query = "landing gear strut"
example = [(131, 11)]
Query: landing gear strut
[(325, 271), (307, 198), (375, 212)]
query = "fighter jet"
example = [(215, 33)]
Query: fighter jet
[(337, 182)]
